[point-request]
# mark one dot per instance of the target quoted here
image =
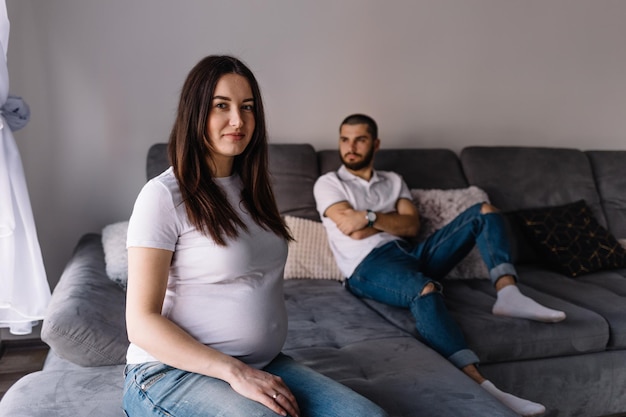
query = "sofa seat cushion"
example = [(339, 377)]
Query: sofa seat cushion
[(324, 314), (498, 339), (569, 386), (404, 377), (603, 292), (335, 333), (93, 392)]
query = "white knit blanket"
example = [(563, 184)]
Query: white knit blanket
[(438, 208)]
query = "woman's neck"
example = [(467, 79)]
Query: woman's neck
[(221, 167)]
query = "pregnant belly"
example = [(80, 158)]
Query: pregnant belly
[(248, 322)]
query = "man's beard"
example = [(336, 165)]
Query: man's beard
[(359, 165)]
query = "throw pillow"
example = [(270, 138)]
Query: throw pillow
[(438, 208), (571, 239), (310, 255), (115, 253)]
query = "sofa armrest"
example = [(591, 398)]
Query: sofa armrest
[(85, 321)]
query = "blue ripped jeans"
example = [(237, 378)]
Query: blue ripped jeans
[(397, 272), (156, 389)]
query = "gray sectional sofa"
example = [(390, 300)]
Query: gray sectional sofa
[(575, 368)]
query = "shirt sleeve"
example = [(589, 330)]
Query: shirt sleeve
[(154, 221), (328, 191), (404, 190)]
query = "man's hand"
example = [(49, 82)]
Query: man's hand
[(347, 220), (364, 233)]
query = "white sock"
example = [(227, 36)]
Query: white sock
[(519, 405), (512, 303)]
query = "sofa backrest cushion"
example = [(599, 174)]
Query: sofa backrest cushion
[(293, 169), (518, 178), (85, 321), (157, 160), (420, 168), (609, 169)]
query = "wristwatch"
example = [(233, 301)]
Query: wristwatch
[(371, 218)]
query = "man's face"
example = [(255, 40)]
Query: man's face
[(356, 146)]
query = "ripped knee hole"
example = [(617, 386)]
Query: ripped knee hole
[(429, 288), (487, 208)]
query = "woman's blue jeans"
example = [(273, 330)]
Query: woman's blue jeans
[(156, 389), (397, 272)]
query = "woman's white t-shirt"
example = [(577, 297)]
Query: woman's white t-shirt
[(227, 297)]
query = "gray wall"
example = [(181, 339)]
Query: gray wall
[(102, 79)]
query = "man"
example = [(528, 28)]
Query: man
[(368, 213)]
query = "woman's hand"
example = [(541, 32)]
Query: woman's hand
[(265, 388)]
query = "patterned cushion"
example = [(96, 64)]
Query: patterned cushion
[(571, 240), (309, 255)]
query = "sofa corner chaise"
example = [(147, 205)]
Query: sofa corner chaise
[(575, 368)]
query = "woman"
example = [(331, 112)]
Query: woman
[(206, 250)]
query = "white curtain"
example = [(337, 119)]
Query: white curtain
[(24, 289)]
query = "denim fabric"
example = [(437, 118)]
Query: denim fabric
[(397, 272), (156, 389)]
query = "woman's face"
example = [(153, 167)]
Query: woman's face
[(231, 121)]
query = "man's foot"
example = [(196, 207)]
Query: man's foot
[(512, 303), (519, 405)]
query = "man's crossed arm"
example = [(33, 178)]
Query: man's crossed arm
[(404, 222)]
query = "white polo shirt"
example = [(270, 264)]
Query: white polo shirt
[(380, 194)]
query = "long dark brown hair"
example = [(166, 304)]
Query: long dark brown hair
[(189, 149)]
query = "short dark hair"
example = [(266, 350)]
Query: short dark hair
[(362, 119)]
